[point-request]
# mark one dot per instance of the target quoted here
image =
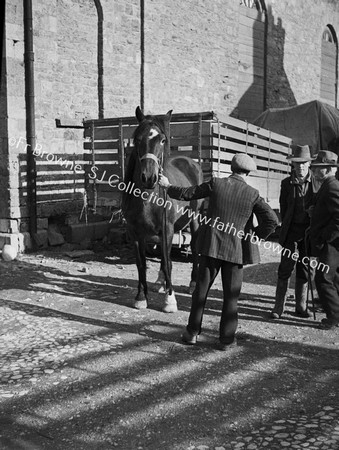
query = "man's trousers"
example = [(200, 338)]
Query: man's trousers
[(231, 276)]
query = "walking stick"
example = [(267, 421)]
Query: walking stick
[(309, 277), (310, 287)]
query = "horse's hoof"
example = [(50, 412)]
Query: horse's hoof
[(142, 304), (170, 308), (170, 305)]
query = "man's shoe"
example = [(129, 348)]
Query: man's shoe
[(305, 314), (328, 324), (223, 347), (274, 315), (188, 338)]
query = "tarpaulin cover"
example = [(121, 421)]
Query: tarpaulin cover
[(314, 123)]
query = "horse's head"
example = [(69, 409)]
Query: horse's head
[(149, 140)]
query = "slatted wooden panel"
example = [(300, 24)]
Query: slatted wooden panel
[(269, 150), (58, 180), (108, 143), (251, 64), (328, 79)]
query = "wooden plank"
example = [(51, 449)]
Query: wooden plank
[(67, 192), (190, 129), (103, 171), (262, 164), (186, 141), (177, 117), (109, 132), (103, 145), (238, 136), (234, 147), (188, 153), (231, 122), (114, 158), (227, 155), (261, 169)]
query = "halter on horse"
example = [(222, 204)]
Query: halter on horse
[(148, 212)]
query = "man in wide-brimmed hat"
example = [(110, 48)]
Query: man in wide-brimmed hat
[(324, 235), (296, 196), (220, 243)]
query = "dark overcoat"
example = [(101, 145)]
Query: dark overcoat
[(287, 200), (325, 217), (232, 202)]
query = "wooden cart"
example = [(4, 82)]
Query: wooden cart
[(205, 137)]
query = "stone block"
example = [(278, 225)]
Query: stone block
[(55, 238), (77, 233), (41, 239), (9, 226), (101, 230), (42, 223), (17, 240)]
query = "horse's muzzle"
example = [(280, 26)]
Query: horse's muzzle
[(150, 181)]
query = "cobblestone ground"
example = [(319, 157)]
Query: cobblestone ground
[(81, 369)]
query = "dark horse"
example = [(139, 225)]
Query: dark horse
[(149, 214)]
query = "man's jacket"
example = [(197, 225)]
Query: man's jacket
[(288, 194), (231, 205), (325, 217)]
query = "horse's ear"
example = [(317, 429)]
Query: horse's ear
[(169, 115), (139, 114)]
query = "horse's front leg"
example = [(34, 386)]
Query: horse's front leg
[(141, 299), (170, 304)]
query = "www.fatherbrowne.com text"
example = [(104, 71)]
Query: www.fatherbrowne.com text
[(151, 196)]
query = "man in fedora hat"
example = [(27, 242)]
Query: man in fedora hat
[(296, 197), (324, 236), (232, 203)]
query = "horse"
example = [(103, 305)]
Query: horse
[(149, 214)]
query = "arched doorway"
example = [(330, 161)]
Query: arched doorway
[(329, 71)]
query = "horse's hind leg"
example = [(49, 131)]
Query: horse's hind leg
[(141, 299), (195, 257), (170, 304)]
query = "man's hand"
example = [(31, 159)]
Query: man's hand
[(163, 181), (310, 211)]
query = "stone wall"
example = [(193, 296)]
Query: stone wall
[(295, 29), (190, 64)]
